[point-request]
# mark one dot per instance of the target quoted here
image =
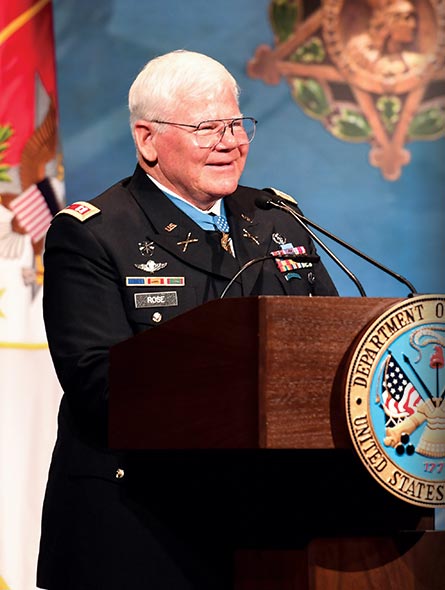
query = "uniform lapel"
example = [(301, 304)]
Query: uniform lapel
[(251, 233), (174, 231)]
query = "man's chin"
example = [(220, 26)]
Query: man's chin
[(223, 189)]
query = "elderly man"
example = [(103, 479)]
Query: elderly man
[(150, 521)]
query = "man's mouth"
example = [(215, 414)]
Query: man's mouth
[(220, 164)]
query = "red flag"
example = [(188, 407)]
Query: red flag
[(31, 189), (29, 146), (437, 360), (24, 26)]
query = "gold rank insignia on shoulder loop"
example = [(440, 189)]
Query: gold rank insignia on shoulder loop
[(81, 210), (281, 194)]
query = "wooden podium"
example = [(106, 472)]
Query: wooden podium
[(276, 368)]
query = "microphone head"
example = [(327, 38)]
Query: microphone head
[(275, 198), (264, 201)]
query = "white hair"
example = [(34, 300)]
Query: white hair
[(169, 78)]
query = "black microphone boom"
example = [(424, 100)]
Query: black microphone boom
[(266, 202), (282, 254)]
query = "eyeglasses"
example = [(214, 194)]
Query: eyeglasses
[(210, 133)]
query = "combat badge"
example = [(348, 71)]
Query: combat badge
[(151, 266), (395, 400)]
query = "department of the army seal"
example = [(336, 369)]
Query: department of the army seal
[(395, 400)]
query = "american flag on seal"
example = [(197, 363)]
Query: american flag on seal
[(399, 396)]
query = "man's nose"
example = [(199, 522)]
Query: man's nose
[(227, 138)]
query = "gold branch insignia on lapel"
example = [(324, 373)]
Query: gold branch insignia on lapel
[(247, 234), (189, 240)]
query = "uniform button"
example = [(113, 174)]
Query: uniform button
[(311, 278), (156, 317), (120, 473)]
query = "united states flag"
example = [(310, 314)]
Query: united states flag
[(33, 210), (399, 396)]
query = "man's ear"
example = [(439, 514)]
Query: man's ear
[(143, 135)]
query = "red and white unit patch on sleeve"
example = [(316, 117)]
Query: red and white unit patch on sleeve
[(81, 210)]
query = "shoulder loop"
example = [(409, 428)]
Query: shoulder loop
[(281, 194), (81, 210)]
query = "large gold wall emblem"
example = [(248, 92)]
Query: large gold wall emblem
[(369, 70)]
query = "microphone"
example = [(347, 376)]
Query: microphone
[(274, 201), (291, 253), (264, 202)]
